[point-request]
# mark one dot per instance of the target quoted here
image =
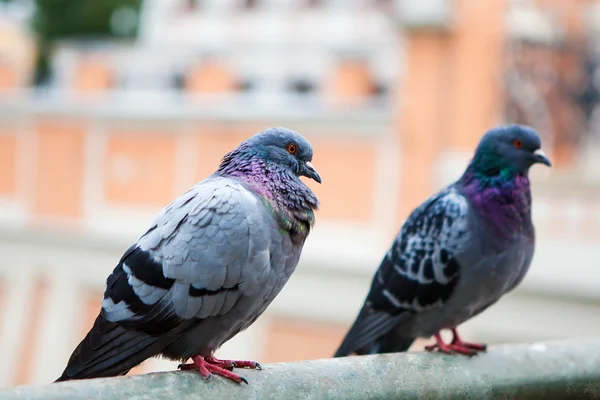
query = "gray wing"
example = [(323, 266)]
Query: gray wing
[(190, 263), (420, 271), (194, 262)]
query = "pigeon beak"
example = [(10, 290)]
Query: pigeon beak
[(310, 172), (540, 157)]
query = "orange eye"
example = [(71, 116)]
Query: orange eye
[(292, 148), (517, 144)]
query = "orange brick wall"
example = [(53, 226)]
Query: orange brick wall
[(8, 163), (8, 77), (350, 81), (214, 141), (24, 369), (139, 168), (348, 170), (210, 78), (93, 75), (419, 120), (294, 340), (60, 168), (290, 340), (474, 99)]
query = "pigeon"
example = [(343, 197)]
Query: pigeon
[(457, 254), (208, 266)]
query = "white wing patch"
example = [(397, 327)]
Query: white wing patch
[(148, 294)]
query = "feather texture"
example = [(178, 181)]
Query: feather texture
[(457, 253), (210, 263)]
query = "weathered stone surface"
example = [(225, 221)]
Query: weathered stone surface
[(554, 370)]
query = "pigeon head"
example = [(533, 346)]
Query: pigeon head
[(283, 147), (270, 163), (508, 151)]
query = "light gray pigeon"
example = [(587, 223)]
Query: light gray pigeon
[(457, 253), (210, 264)]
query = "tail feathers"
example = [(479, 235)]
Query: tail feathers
[(111, 350), (374, 332), (347, 347)]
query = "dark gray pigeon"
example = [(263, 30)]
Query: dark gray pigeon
[(210, 264), (457, 253)]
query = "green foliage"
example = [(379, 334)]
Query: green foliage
[(61, 19), (56, 19)]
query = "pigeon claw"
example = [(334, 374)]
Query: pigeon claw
[(451, 349), (207, 366), (463, 350), (197, 364), (457, 346), (247, 364), (225, 373), (457, 341), (227, 364), (477, 347), (233, 363)]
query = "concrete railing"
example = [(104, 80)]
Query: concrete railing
[(553, 370)]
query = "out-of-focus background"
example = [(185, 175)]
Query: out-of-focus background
[(111, 109)]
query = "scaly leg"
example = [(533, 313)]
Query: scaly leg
[(449, 348), (233, 363), (457, 341), (211, 365)]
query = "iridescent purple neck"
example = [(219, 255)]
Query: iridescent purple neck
[(290, 200), (505, 203)]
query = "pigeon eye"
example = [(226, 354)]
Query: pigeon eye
[(292, 148), (517, 144)]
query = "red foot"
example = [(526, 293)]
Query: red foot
[(211, 365), (456, 340), (456, 346)]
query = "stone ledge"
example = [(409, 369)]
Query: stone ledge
[(552, 370)]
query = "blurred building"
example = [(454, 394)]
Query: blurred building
[(393, 95)]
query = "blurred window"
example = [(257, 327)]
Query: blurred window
[(250, 4), (302, 86), (314, 3), (192, 5)]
